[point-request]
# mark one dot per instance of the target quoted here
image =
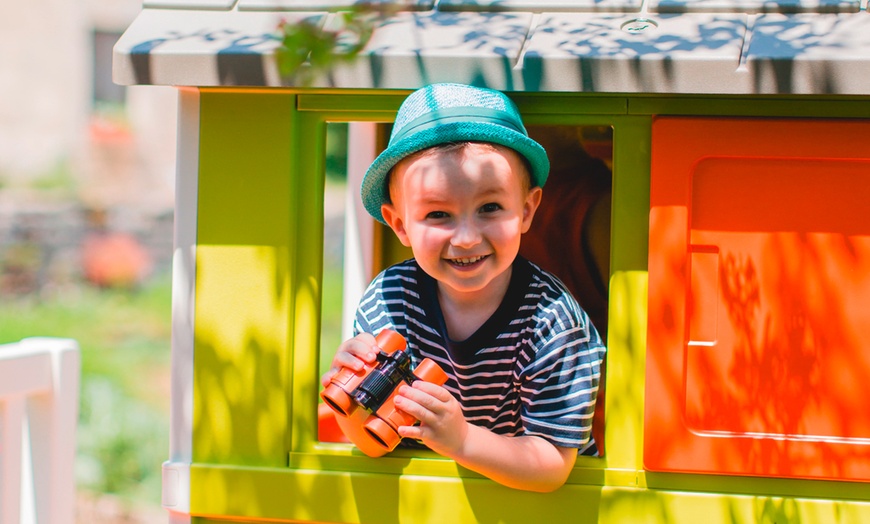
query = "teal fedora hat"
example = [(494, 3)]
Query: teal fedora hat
[(445, 113)]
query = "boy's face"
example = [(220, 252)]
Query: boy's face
[(462, 212)]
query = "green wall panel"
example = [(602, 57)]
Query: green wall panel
[(245, 241)]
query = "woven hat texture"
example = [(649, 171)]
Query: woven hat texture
[(446, 113)]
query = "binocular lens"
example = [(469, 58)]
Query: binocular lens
[(382, 433), (378, 439), (338, 400), (334, 406)]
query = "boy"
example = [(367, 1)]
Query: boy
[(460, 183)]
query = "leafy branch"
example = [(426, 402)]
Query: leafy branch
[(309, 48)]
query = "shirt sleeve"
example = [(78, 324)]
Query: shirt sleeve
[(373, 312), (369, 309), (560, 383)]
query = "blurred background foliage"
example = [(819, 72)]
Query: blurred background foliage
[(123, 327), (123, 431), (86, 205)]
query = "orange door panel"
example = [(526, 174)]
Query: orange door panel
[(759, 303)]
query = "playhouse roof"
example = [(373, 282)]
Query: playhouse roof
[(623, 46)]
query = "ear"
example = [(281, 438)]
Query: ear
[(394, 219), (533, 200)]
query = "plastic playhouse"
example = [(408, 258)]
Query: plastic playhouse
[(708, 206)]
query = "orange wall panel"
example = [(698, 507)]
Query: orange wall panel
[(759, 354)]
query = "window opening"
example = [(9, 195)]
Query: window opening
[(106, 92), (570, 235), (348, 246), (334, 218)]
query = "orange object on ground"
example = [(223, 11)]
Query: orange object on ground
[(115, 260)]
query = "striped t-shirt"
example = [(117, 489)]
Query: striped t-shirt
[(531, 369)]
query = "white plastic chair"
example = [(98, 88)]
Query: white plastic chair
[(39, 400)]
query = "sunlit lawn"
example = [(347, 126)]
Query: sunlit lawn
[(124, 336), (331, 321)]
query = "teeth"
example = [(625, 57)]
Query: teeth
[(467, 261)]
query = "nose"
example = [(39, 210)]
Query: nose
[(467, 234)]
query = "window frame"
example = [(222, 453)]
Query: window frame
[(314, 112)]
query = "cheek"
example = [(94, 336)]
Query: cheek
[(504, 236), (506, 231), (427, 238)]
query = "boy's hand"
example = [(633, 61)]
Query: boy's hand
[(522, 462), (443, 427), (352, 354)]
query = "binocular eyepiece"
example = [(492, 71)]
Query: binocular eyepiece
[(391, 370), (375, 388)]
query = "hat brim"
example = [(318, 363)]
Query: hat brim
[(375, 191)]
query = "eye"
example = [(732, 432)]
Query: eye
[(491, 207), (436, 215)]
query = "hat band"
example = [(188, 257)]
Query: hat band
[(452, 115)]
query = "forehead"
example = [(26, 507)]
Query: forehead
[(444, 159), (458, 149)]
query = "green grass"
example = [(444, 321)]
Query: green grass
[(124, 336), (330, 322)]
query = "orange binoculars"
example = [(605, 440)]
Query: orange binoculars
[(374, 389)]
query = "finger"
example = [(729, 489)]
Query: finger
[(415, 395), (413, 408), (327, 377), (355, 353), (437, 392), (348, 360), (414, 432), (362, 346)]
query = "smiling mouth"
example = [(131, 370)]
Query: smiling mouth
[(467, 261)]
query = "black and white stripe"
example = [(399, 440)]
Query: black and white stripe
[(532, 369)]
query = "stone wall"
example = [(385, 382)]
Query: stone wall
[(45, 244)]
